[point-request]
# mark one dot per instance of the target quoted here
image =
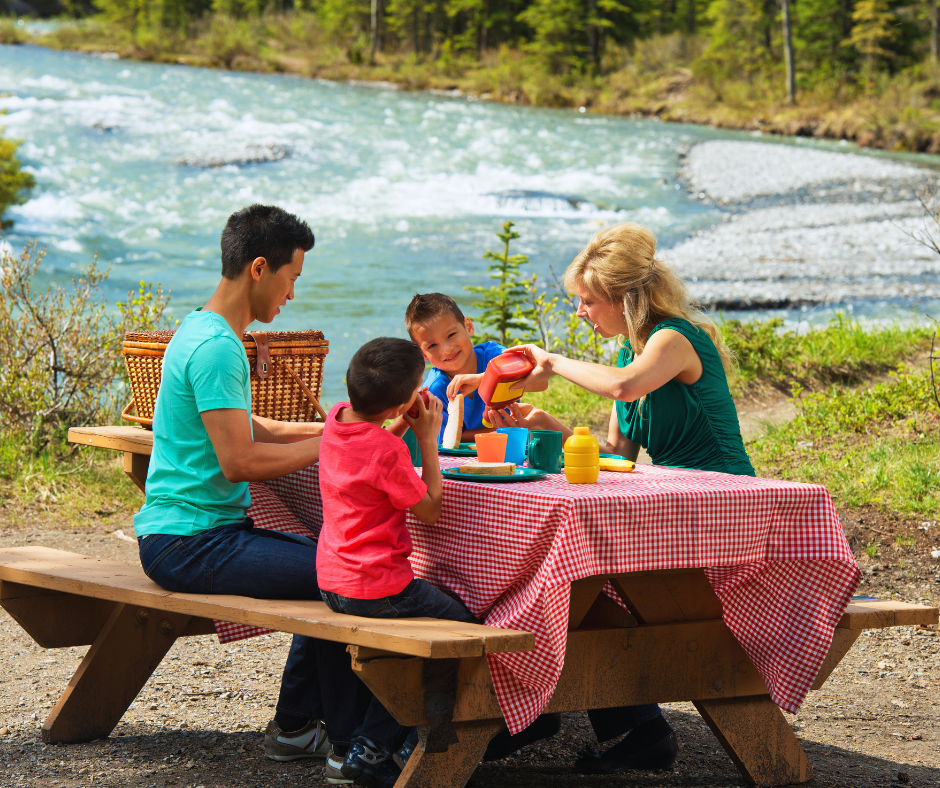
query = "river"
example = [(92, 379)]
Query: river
[(405, 191)]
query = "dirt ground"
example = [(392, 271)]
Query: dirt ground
[(198, 721)]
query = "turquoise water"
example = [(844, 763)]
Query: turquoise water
[(399, 187)]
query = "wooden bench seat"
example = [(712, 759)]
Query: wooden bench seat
[(63, 599)]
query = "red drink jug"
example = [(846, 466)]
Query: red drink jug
[(502, 373)]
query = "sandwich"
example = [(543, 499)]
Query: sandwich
[(454, 429), (489, 468)]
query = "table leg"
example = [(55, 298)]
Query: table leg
[(451, 769), (752, 729), (126, 652), (758, 739), (136, 466)]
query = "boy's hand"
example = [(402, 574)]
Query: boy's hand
[(463, 384), (427, 424)]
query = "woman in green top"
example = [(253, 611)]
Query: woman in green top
[(671, 397), (669, 387)]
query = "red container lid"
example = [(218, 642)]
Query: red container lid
[(512, 364)]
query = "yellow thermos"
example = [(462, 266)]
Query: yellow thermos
[(582, 457)]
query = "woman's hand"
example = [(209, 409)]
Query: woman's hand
[(463, 384), (521, 414), (538, 377)]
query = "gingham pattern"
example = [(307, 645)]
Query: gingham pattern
[(775, 553)]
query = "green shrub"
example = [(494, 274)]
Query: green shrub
[(14, 183), (60, 350)]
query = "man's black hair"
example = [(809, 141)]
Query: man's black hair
[(383, 374), (262, 231)]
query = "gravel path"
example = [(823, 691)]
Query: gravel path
[(805, 227), (198, 721)]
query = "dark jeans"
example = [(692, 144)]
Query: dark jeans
[(318, 682), (418, 599)]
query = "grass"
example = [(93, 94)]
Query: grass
[(872, 446), (845, 351), (68, 487), (664, 76)]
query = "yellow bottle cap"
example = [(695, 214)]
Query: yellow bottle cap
[(581, 431)]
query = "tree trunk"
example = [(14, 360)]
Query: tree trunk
[(415, 42), (934, 31), (788, 53), (376, 18), (690, 17), (593, 35)]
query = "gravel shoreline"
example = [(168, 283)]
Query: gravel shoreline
[(804, 227)]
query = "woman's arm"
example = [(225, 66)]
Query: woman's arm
[(617, 443), (667, 355)]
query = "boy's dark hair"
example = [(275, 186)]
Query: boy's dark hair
[(427, 306), (262, 231), (383, 374)]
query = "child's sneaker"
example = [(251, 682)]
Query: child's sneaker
[(309, 742), (369, 766), (334, 765)]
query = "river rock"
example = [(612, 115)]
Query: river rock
[(251, 154), (805, 227)]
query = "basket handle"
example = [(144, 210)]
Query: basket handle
[(305, 389), (126, 415)]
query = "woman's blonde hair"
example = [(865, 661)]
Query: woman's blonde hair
[(619, 265)]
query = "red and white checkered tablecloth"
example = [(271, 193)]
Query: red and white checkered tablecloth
[(774, 552)]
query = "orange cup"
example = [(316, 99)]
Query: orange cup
[(491, 446)]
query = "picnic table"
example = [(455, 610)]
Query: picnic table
[(656, 586)]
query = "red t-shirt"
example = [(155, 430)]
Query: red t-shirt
[(367, 482)]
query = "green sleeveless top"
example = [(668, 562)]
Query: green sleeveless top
[(688, 426)]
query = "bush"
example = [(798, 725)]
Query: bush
[(60, 357), (14, 183)]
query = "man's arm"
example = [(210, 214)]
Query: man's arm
[(245, 460), (271, 431)]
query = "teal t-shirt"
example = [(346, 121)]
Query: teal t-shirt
[(204, 368)]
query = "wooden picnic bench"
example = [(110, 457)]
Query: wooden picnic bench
[(433, 674)]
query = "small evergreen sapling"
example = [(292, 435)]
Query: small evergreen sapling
[(505, 305)]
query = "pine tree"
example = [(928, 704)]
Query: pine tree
[(504, 305), (741, 34), (819, 28), (873, 32)]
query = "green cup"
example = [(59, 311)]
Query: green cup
[(545, 450), (411, 441)]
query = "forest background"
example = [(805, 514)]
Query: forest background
[(864, 70)]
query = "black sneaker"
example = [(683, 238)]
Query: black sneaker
[(404, 753), (369, 766), (505, 743), (651, 746)]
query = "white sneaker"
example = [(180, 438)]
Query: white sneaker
[(309, 742), (334, 763)]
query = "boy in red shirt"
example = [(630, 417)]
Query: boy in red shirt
[(367, 483)]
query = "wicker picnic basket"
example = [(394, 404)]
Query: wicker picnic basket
[(286, 373)]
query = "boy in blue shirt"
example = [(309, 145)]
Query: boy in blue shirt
[(438, 327)]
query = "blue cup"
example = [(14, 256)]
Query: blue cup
[(516, 441)]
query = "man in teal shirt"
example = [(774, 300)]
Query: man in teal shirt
[(194, 533)]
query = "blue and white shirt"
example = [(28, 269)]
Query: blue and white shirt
[(473, 407)]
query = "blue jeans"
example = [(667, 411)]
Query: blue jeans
[(418, 599), (318, 682)]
